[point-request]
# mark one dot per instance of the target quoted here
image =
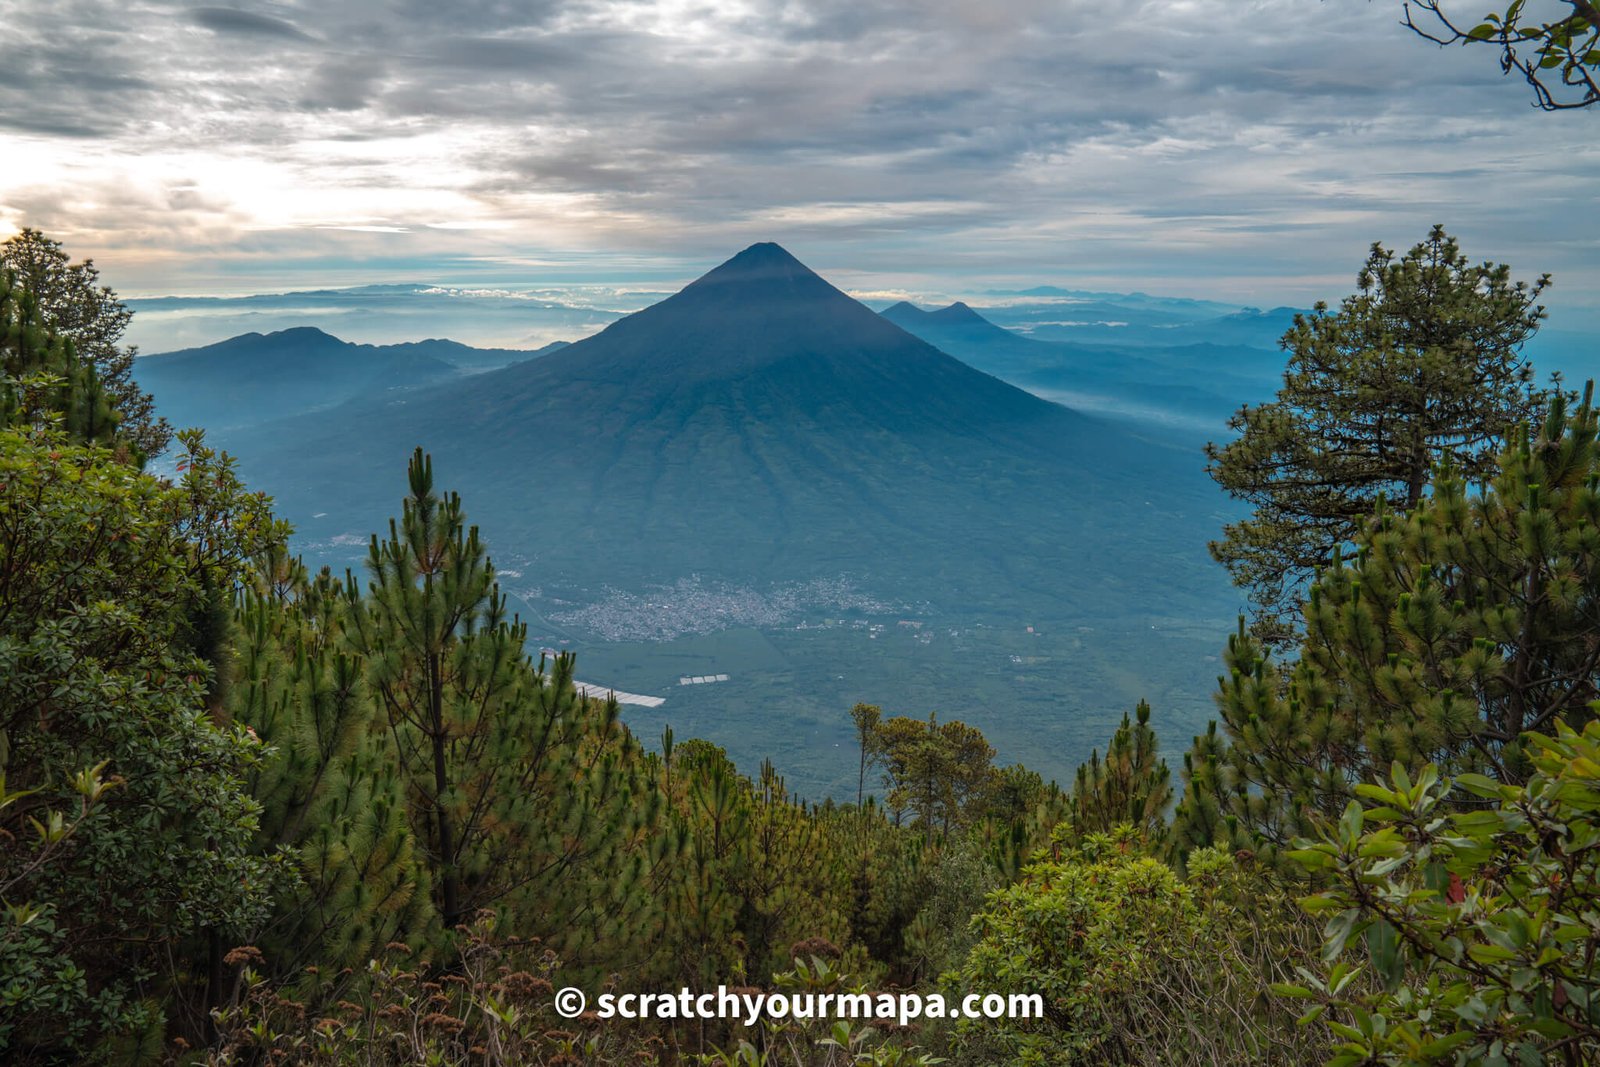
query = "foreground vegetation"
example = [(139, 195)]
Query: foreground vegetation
[(254, 814)]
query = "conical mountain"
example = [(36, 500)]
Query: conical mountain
[(759, 425), (764, 338)]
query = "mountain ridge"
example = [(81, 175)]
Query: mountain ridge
[(255, 377), (1188, 385)]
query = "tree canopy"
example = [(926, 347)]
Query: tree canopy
[(1444, 637), (1130, 787), (69, 302), (1422, 364), (125, 818), (934, 769)]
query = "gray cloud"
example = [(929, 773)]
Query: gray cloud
[(492, 55), (1252, 148), (344, 83), (229, 20)]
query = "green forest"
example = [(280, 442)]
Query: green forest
[(252, 813)]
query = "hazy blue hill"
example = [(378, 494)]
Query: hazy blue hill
[(1129, 324), (464, 357), (1189, 387), (259, 377), (959, 324)]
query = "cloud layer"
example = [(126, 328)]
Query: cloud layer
[(1248, 149)]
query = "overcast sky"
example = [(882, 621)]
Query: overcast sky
[(1248, 150)]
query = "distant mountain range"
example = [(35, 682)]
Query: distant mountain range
[(1140, 321), (1194, 387), (485, 317), (1186, 308), (257, 377)]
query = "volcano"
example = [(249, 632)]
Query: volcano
[(760, 424)]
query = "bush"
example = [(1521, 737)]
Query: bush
[(1481, 928), (125, 829), (1137, 964)]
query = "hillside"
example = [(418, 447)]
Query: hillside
[(1188, 387), (258, 377)]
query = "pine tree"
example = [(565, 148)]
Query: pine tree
[(331, 790), (1011, 842), (1132, 787), (791, 886), (1424, 363), (1207, 814), (524, 795), (710, 812), (72, 304), (866, 718), (889, 871), (934, 769), (443, 664), (1450, 633), (42, 380)]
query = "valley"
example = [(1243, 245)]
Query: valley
[(761, 478)]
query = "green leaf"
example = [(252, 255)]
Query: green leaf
[(1438, 1050), (1311, 1016), (1385, 842), (1349, 1033), (1350, 823), (1479, 785), (1315, 858), (1383, 946), (1338, 932), (1320, 902), (1490, 953)]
